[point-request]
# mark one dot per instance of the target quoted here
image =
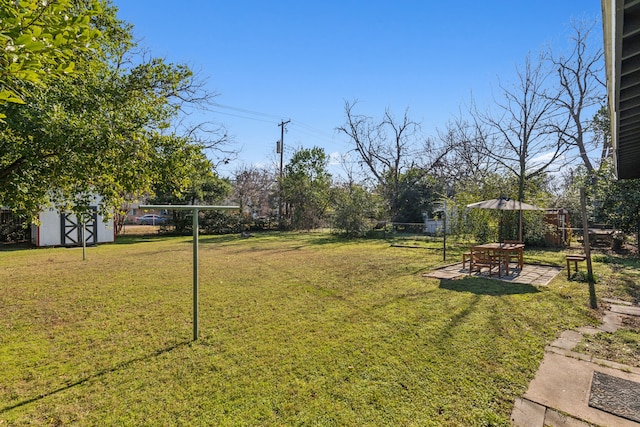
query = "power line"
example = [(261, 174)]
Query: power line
[(298, 126), (313, 132), (246, 111), (311, 129), (241, 117), (273, 116), (317, 136)]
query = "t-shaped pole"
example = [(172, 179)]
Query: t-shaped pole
[(196, 228)]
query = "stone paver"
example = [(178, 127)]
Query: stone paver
[(614, 301), (611, 321), (556, 419), (622, 309), (528, 414), (531, 274), (568, 340), (562, 385)]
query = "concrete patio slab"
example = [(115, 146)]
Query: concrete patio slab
[(528, 414), (563, 385), (530, 274)]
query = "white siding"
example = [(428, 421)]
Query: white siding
[(49, 232)]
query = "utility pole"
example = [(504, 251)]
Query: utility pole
[(280, 149)]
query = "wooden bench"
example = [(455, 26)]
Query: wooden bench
[(575, 259)]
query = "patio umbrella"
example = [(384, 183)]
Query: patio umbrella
[(505, 204)]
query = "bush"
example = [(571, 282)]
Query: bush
[(581, 276), (217, 222), (534, 228), (354, 208), (210, 222)]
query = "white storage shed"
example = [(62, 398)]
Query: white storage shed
[(63, 229)]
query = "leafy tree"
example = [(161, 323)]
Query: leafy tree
[(480, 223), (493, 225), (355, 207), (417, 194), (206, 187), (40, 40), (217, 222), (306, 187), (618, 201), (105, 130)]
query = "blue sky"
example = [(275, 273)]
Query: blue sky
[(301, 60)]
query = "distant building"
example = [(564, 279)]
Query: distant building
[(432, 226)]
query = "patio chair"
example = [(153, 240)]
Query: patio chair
[(485, 259), (466, 257), (512, 256)]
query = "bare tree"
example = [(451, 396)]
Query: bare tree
[(580, 74), (213, 138), (464, 160), (389, 147), (522, 133), (253, 188)]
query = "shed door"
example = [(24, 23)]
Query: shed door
[(71, 228)]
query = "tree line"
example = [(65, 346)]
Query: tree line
[(86, 111)]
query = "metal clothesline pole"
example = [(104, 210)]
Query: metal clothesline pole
[(196, 228)]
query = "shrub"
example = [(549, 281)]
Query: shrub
[(217, 222)]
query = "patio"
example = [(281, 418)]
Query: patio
[(530, 274)]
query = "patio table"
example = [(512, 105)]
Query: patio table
[(504, 250)]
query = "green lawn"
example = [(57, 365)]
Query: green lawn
[(295, 329)]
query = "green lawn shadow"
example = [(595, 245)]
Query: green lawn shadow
[(122, 365), (141, 238), (480, 286), (14, 247)]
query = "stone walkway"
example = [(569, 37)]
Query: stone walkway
[(531, 274), (562, 390)]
